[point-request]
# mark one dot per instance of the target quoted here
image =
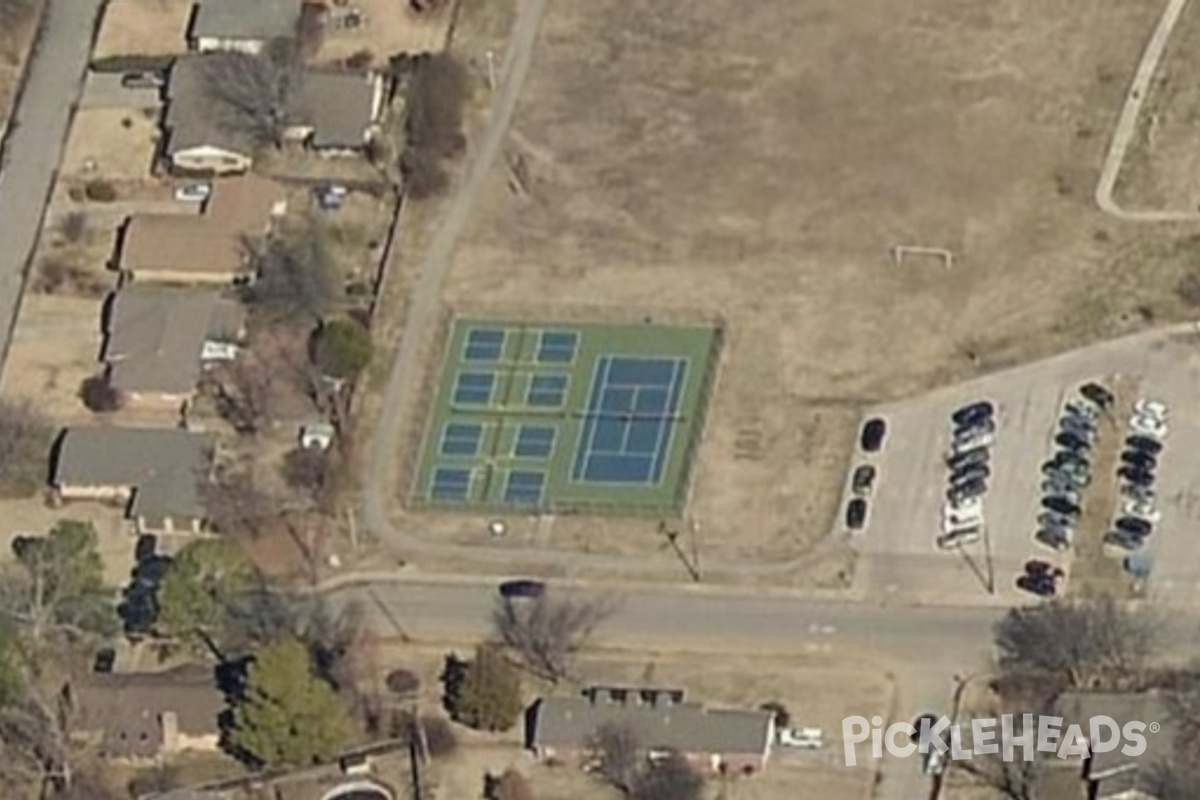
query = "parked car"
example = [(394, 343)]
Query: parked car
[(978, 455), (1038, 585), (1082, 410), (1136, 475), (873, 434), (1052, 489), (862, 480), (966, 491), (975, 427), (973, 412), (957, 523), (1053, 519), (1142, 510), (1149, 426), (1055, 538), (1135, 525), (856, 514), (1036, 566), (193, 192), (970, 473), (1146, 407), (1072, 443), (143, 80), (959, 538), (802, 738), (1098, 394), (1070, 459), (1124, 540), (1061, 505), (522, 588), (1076, 426), (972, 441), (1143, 494), (1144, 444), (1140, 459), (330, 196)]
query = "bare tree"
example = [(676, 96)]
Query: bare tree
[(547, 631), (246, 394), (235, 504), (668, 778), (296, 273), (15, 12), (1094, 644), (252, 94), (433, 130), (616, 755), (25, 436), (1015, 779)]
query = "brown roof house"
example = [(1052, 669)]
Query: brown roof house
[(142, 716), (157, 472), (331, 112), (209, 248), (157, 339), (1112, 775), (241, 25), (724, 740)]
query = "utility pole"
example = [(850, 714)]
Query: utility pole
[(672, 537)]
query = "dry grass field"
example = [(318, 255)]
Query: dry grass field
[(143, 28), (759, 161), (15, 43), (113, 143), (391, 27), (1163, 163)]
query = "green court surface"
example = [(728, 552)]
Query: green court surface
[(566, 418)]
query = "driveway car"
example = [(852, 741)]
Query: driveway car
[(973, 412), (856, 514), (1144, 444), (193, 192), (873, 434), (863, 480), (522, 588), (1097, 393)]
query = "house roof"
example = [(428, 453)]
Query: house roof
[(338, 106), (209, 243), (154, 336), (570, 722), (128, 707), (164, 466), (239, 19), (1077, 708)]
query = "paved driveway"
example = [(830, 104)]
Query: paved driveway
[(35, 142)]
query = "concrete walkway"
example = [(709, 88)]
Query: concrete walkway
[(36, 137), (1127, 125)]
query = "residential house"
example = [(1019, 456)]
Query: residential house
[(1112, 775), (157, 339), (156, 472), (242, 25), (142, 716), (209, 248), (721, 740), (331, 112)]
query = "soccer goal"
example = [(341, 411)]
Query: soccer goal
[(903, 251)]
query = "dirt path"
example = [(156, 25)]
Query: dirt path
[(400, 392), (1127, 125)]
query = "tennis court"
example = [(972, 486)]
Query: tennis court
[(549, 417)]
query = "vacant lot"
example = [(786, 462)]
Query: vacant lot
[(760, 161), (389, 27), (143, 28), (1161, 168), (112, 143)]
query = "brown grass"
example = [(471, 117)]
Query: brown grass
[(143, 27), (113, 143)]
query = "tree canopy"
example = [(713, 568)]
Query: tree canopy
[(487, 694), (200, 584), (288, 716), (342, 348), (61, 583)]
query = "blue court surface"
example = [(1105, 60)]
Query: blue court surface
[(631, 413)]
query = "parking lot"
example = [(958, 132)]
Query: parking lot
[(900, 559)]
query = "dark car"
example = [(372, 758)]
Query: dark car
[(1144, 444), (1077, 426), (873, 433), (1036, 566), (1098, 394), (1053, 519), (973, 413), (1040, 585), (1072, 443), (969, 458), (1134, 525), (863, 479), (522, 588), (1053, 538), (1136, 475), (970, 473), (977, 427), (1060, 504), (965, 491), (856, 513), (1124, 540), (1070, 459), (104, 661), (1140, 459)]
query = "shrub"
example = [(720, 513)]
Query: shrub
[(343, 348), (360, 60), (439, 736), (98, 190), (99, 395), (72, 227), (424, 175)]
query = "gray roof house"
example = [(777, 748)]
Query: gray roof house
[(1113, 775), (244, 25), (333, 112), (157, 472), (158, 338), (717, 739)]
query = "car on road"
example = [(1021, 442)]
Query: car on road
[(863, 480), (959, 538), (973, 412), (873, 434), (1134, 525), (1061, 505), (193, 192), (143, 80), (979, 455), (1098, 394), (1136, 475), (856, 514), (1124, 540), (966, 491), (522, 588)]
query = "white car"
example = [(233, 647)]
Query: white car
[(959, 520), (968, 505), (1145, 407), (959, 538), (193, 192), (1148, 426), (804, 738), (1142, 510), (971, 442)]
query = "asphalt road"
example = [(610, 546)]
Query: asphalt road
[(37, 135)]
